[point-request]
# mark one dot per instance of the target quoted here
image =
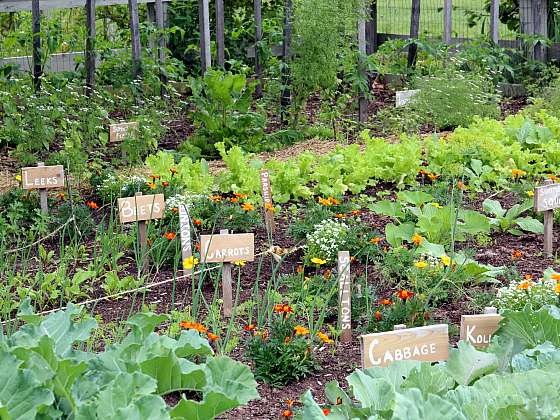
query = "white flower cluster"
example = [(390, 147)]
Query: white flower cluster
[(519, 293), (135, 183), (327, 239), (186, 199)]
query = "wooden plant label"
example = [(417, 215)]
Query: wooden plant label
[(141, 208), (404, 97), (227, 248), (547, 198), (267, 201), (42, 177), (426, 344), (478, 329), (185, 231), (344, 297), (118, 132)]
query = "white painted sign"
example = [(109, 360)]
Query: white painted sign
[(404, 97), (42, 177), (227, 248), (185, 231), (141, 208), (478, 329), (344, 296), (547, 197)]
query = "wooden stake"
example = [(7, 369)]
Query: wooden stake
[(344, 297), (90, 46), (362, 100), (258, 39), (414, 31), (447, 21), (37, 68), (135, 38), (286, 98), (371, 29), (227, 294), (43, 196), (185, 231), (495, 21), (143, 239), (204, 28), (220, 38), (161, 25)]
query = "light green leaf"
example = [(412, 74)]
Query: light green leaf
[(466, 364), (530, 225), (411, 406)]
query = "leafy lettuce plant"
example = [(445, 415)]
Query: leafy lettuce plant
[(510, 220), (47, 373)]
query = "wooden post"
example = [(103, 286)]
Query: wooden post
[(258, 40), (161, 24), (143, 239), (371, 30), (548, 232), (43, 196), (36, 26), (540, 25), (204, 25), (227, 293), (362, 100), (547, 198), (414, 31), (495, 21), (90, 47), (151, 7), (286, 98), (220, 37), (344, 297), (447, 20), (135, 39), (185, 231)]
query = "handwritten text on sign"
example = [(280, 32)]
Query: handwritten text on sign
[(227, 248), (547, 197), (39, 177), (478, 329), (426, 344), (141, 208), (344, 296), (118, 132)]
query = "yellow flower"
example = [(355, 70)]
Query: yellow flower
[(239, 263), (436, 205), (517, 173), (525, 285), (530, 193), (557, 288), (189, 263), (421, 264), (324, 337), (300, 330), (318, 261), (247, 207), (445, 260), (18, 178)]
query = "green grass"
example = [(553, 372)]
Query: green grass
[(394, 18)]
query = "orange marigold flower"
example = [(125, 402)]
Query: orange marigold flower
[(326, 411), (324, 201), (460, 185), (386, 302), (247, 207), (287, 414), (405, 294), (517, 173), (216, 198), (340, 215), (165, 184), (92, 205), (151, 185), (327, 274), (333, 201), (61, 196), (555, 276), (174, 210), (324, 337), (242, 196), (356, 212), (299, 269), (194, 326), (376, 240), (557, 289), (525, 285), (234, 200), (197, 246), (269, 207), (516, 254), (553, 178), (213, 337), (154, 177), (283, 308), (287, 340), (301, 330), (250, 327), (173, 171), (378, 315), (528, 277), (432, 176), (170, 236), (417, 239), (197, 222)]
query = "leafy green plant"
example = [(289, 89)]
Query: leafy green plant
[(223, 114), (510, 220), (52, 377)]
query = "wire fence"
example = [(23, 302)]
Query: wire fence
[(470, 19)]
